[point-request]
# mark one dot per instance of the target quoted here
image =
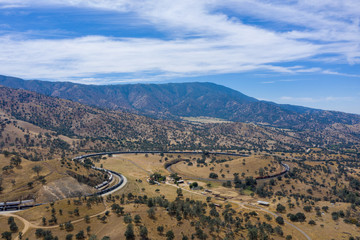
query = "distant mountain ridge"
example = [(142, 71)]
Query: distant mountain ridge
[(175, 100)]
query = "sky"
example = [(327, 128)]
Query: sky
[(301, 52)]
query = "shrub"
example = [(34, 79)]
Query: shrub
[(312, 222), (279, 220), (213, 175)]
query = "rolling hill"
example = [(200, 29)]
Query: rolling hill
[(176, 100), (77, 127)]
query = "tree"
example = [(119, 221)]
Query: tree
[(11, 220), (252, 233), (6, 153), (151, 213), (170, 235), (312, 222), (6, 235), (80, 235), (137, 218), (279, 230), (179, 192), (178, 217), (213, 175), (69, 237), (127, 219), (68, 226), (76, 212), (143, 232), (301, 217), (307, 208), (103, 219), (16, 161), (325, 208), (279, 220), (37, 169), (7, 168), (194, 185), (39, 232), (160, 229), (13, 227), (268, 217), (129, 233), (280, 208), (117, 209)]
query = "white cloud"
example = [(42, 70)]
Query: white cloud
[(287, 99), (87, 56), (203, 39)]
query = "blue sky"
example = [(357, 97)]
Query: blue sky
[(304, 52)]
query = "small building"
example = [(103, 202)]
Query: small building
[(263, 203)]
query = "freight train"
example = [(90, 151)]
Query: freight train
[(287, 168)]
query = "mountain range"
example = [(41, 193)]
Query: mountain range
[(177, 100), (108, 126)]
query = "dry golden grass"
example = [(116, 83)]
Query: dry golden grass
[(326, 227), (137, 169), (244, 166), (35, 215), (5, 227), (317, 154), (15, 181), (205, 120), (114, 226)]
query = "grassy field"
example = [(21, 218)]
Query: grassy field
[(66, 206), (15, 181), (205, 120), (138, 167), (244, 166)]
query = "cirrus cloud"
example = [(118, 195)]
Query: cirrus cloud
[(204, 37)]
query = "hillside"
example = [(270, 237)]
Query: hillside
[(54, 180), (101, 130), (175, 100), (71, 126), (318, 195)]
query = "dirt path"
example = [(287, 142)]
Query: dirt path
[(240, 204), (252, 207), (28, 225), (243, 205)]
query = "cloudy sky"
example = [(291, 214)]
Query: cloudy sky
[(304, 52)]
